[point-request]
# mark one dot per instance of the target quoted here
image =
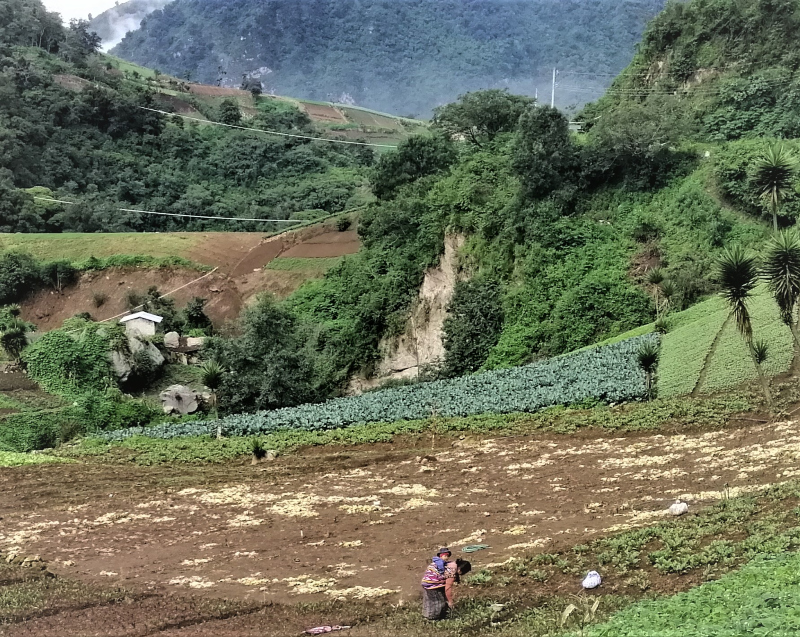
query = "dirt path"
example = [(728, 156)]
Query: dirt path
[(361, 524)]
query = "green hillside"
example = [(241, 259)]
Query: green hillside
[(82, 128), (719, 70), (403, 57)]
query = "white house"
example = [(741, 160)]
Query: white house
[(141, 323)]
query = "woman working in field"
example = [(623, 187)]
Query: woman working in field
[(437, 584)]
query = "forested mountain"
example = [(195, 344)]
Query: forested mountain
[(113, 24), (399, 56), (72, 126), (715, 69)]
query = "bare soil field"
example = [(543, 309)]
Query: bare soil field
[(71, 82), (355, 525), (328, 244), (182, 107), (217, 91), (320, 113), (240, 258), (48, 309)]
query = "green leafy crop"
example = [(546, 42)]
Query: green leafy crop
[(610, 374)]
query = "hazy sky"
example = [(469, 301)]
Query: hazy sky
[(78, 8)]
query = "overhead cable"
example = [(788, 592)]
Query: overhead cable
[(177, 214)]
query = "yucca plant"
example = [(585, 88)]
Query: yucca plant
[(775, 172), (737, 273), (655, 277), (13, 339), (211, 376), (257, 449), (668, 291), (647, 356), (781, 269), (761, 351), (662, 325)]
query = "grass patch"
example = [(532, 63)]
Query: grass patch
[(681, 412), (732, 365), (9, 403), (110, 247), (760, 599), (691, 335), (13, 459), (303, 264)]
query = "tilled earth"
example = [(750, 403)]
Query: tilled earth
[(354, 525)]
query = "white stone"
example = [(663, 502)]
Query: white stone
[(678, 508), (172, 339)]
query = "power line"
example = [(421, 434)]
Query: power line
[(268, 132), (177, 214)]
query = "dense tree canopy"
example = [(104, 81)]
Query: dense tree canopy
[(96, 144)]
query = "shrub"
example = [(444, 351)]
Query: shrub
[(59, 274), (27, 431), (473, 324), (99, 299), (134, 299), (19, 275), (196, 317), (611, 373), (71, 361), (343, 223)]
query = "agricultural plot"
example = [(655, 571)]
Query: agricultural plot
[(685, 347), (299, 528), (610, 374), (731, 363), (760, 599)]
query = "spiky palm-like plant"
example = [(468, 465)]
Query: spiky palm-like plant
[(781, 269), (648, 361), (738, 276), (775, 172), (655, 277), (211, 376), (668, 291), (13, 339)]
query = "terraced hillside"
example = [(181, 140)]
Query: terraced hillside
[(339, 120), (227, 268)]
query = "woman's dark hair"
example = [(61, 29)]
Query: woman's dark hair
[(463, 567)]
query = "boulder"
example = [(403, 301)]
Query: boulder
[(122, 362), (172, 340), (179, 399), (195, 342)]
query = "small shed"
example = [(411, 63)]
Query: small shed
[(141, 323)]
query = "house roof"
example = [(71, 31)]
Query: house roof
[(142, 315)]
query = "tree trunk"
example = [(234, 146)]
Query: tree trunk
[(762, 379), (796, 348), (775, 218)]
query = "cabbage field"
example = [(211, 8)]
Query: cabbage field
[(610, 374)]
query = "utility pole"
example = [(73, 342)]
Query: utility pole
[(553, 93), (536, 94)]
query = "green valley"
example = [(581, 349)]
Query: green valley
[(555, 351)]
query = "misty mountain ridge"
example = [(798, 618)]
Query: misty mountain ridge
[(399, 56), (114, 23)]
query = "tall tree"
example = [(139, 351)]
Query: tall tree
[(544, 154), (775, 174), (781, 269), (738, 275), (481, 116)]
